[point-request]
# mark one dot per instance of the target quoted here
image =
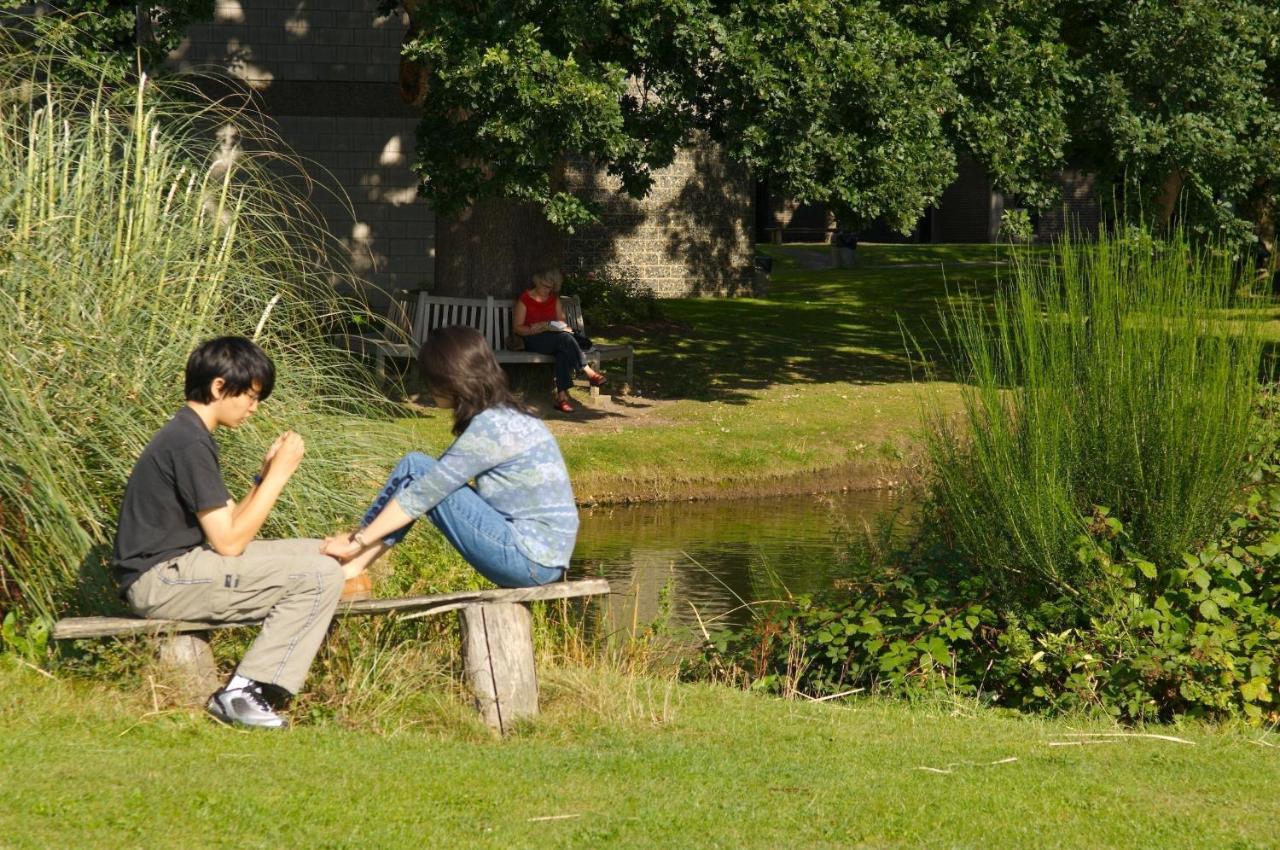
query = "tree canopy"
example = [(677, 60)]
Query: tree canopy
[(1178, 103), (110, 38), (862, 105), (865, 105)]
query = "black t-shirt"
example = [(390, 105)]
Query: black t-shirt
[(176, 477)]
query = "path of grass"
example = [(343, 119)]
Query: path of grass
[(694, 766), (809, 388)]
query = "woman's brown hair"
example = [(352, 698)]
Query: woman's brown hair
[(458, 363)]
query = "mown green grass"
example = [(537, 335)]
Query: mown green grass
[(752, 395), (642, 764)]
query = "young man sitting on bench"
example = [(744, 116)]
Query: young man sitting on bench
[(186, 551)]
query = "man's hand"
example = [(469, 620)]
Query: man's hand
[(230, 528), (284, 456), (271, 452)]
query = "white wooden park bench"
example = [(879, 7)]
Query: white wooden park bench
[(493, 319), (497, 639)]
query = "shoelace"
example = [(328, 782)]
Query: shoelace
[(254, 695)]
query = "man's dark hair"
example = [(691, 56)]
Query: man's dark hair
[(457, 363), (234, 359)]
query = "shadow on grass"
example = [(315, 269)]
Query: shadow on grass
[(817, 326)]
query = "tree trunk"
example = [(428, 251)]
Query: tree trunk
[(1167, 200), (493, 248), (1260, 209)]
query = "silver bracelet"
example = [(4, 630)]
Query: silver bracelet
[(356, 538)]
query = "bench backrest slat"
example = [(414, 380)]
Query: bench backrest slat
[(499, 325), (573, 313)]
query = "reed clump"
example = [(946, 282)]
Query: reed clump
[(1107, 380), (133, 225)]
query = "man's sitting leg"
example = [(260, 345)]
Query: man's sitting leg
[(294, 589), (287, 584)]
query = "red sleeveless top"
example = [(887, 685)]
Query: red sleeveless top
[(535, 311)]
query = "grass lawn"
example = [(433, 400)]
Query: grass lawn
[(618, 762), (748, 394), (810, 387)]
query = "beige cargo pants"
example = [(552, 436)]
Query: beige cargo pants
[(287, 584)]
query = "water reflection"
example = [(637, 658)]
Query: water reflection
[(706, 559)]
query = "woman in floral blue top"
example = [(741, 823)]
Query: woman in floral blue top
[(517, 524)]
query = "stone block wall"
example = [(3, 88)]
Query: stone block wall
[(692, 235), (1080, 208), (326, 71), (968, 211)]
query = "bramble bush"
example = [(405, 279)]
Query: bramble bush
[(1199, 637), (610, 297)]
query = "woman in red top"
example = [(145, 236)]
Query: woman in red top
[(535, 311)]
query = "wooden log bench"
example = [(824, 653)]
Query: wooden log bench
[(497, 639)]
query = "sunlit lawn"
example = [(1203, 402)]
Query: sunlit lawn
[(821, 378), (616, 762)]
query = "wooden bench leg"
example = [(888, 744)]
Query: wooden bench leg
[(593, 390), (497, 649), (190, 659)]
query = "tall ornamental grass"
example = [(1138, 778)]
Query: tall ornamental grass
[(1105, 377), (128, 234)]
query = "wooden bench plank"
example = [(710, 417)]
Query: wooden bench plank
[(94, 627)]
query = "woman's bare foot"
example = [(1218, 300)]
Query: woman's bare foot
[(354, 558)]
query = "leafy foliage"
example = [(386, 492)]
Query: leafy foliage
[(835, 102), (1198, 635), (1014, 80), (1179, 98), (108, 38), (611, 297), (865, 106)]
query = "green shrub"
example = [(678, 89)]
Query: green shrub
[(612, 298), (1197, 636), (128, 234), (1016, 227), (1104, 374)]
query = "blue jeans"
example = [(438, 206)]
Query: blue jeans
[(567, 353), (475, 528)]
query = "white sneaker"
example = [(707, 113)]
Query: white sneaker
[(245, 707)]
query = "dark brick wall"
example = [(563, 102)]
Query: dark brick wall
[(692, 235), (327, 72), (1080, 208), (968, 211)]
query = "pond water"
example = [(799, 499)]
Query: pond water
[(714, 556)]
